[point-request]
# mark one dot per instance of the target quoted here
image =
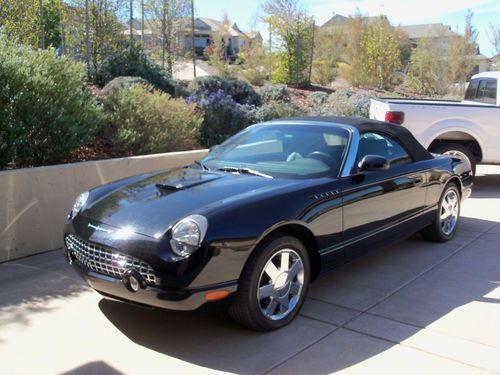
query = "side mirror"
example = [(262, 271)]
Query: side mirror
[(373, 163), (214, 147)]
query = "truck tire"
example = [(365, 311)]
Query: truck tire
[(455, 148)]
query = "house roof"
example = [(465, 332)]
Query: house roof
[(339, 20), (201, 24), (430, 30), (254, 35)]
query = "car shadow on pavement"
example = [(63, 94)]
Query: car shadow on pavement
[(355, 312)]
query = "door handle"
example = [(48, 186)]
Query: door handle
[(417, 180)]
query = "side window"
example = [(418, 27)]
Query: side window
[(470, 94), (490, 92), (382, 145), (480, 91)]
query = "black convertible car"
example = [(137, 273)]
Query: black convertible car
[(256, 220)]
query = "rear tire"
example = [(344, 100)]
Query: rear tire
[(273, 284), (455, 148), (445, 223)]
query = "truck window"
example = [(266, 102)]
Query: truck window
[(470, 94), (490, 92)]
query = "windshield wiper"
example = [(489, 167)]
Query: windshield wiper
[(244, 171), (203, 166)]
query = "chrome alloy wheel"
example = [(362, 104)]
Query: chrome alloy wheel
[(280, 284), (449, 212)]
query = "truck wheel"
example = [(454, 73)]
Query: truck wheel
[(457, 149), (273, 284)]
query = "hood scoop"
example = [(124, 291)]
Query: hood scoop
[(164, 189), (184, 181)]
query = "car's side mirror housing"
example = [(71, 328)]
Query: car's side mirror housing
[(373, 163), (214, 147)]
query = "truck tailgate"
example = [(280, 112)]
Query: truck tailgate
[(378, 109)]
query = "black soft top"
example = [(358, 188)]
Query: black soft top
[(416, 150)]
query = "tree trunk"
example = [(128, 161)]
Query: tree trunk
[(42, 29), (163, 32), (192, 38), (87, 36), (131, 41), (142, 24)]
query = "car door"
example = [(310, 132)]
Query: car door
[(384, 204)]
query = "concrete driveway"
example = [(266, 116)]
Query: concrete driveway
[(415, 307)]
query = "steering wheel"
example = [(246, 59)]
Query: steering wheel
[(322, 156)]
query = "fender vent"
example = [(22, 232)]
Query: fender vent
[(326, 194)]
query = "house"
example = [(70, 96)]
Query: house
[(495, 62), (206, 31), (340, 20), (436, 31), (442, 34)]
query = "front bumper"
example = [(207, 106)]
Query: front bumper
[(153, 296)]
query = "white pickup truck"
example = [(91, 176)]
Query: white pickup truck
[(470, 128)]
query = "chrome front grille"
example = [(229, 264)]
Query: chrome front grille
[(106, 261)]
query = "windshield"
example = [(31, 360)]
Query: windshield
[(278, 150)]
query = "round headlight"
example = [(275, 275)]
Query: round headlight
[(79, 203), (187, 235)]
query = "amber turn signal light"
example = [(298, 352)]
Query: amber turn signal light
[(216, 295)]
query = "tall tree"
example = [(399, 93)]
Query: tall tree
[(495, 36), (292, 26), (97, 28), (462, 50), (170, 21)]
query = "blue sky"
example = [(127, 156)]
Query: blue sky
[(405, 12)]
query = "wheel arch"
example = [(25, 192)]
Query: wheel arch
[(460, 131), (300, 231), (455, 180)]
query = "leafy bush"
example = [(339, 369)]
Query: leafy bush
[(45, 110), (143, 120), (257, 64), (223, 117), (275, 93), (243, 93), (240, 91), (133, 62), (207, 84), (122, 82), (318, 98), (344, 103), (274, 111), (324, 72)]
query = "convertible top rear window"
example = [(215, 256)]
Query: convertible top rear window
[(288, 151)]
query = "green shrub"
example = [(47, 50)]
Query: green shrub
[(143, 121), (276, 110), (207, 84), (275, 93), (223, 117), (240, 91), (243, 93), (318, 98), (45, 110), (324, 72), (133, 62), (344, 103), (122, 82)]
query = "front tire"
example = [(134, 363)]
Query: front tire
[(273, 284), (447, 216)]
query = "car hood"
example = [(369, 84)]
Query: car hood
[(152, 204)]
